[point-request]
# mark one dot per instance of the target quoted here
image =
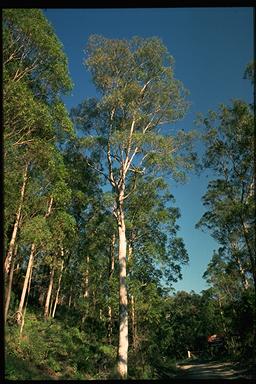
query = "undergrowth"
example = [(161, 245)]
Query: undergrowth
[(54, 350)]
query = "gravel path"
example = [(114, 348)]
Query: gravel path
[(211, 370)]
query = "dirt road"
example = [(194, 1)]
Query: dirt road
[(211, 370)]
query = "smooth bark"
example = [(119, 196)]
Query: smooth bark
[(9, 285), (70, 298), (48, 296), (9, 254), (112, 256), (86, 280), (110, 324), (123, 301), (25, 308), (19, 313), (58, 289)]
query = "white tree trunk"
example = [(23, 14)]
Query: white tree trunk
[(70, 298), (123, 302), (25, 307), (112, 256), (110, 326), (19, 313), (8, 258), (58, 289), (9, 285), (48, 296), (86, 281)]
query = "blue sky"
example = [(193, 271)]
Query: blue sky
[(211, 48)]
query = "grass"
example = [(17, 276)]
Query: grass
[(54, 350)]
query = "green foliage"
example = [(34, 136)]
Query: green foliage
[(44, 55), (230, 218), (36, 230), (138, 95), (63, 352)]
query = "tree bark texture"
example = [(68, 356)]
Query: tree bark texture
[(8, 258)]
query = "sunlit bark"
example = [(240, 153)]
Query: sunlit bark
[(48, 296), (9, 285), (59, 285), (123, 301), (8, 258), (19, 313)]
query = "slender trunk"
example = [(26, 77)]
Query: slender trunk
[(58, 289), (8, 258), (86, 281), (9, 286), (123, 302), (25, 308), (70, 298), (51, 305), (112, 256), (110, 324), (19, 313), (48, 296), (86, 289), (49, 208)]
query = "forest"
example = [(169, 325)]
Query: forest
[(90, 236)]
